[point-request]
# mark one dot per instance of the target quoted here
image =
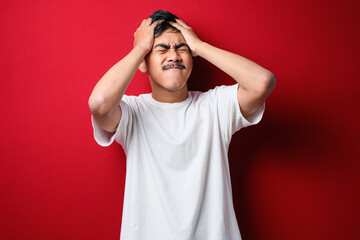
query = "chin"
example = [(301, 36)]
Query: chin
[(170, 82), (174, 86)]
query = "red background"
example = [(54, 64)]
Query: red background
[(295, 175)]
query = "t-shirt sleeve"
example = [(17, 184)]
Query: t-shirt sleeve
[(104, 138), (230, 117)]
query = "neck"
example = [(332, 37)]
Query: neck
[(161, 94)]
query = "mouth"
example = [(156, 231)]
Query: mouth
[(173, 66)]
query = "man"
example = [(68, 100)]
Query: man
[(176, 141)]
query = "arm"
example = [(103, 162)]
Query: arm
[(108, 92), (255, 82)]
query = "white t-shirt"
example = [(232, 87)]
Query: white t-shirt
[(177, 176)]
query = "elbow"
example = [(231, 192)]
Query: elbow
[(97, 105), (267, 83)]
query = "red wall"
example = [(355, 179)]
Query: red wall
[(295, 175)]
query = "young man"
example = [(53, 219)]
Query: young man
[(176, 141)]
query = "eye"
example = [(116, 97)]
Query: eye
[(162, 50), (183, 49)]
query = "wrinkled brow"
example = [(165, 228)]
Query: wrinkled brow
[(162, 45)]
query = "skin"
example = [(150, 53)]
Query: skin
[(170, 85), (169, 66)]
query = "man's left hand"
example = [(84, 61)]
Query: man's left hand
[(190, 37)]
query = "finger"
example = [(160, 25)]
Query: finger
[(143, 22), (148, 22), (156, 23), (177, 25), (182, 23)]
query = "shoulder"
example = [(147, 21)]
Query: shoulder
[(133, 101), (224, 88), (216, 92)]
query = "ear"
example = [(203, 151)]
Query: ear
[(142, 66)]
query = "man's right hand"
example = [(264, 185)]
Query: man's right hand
[(108, 92), (144, 35)]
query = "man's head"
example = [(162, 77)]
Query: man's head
[(169, 63), (163, 26)]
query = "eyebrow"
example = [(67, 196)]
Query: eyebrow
[(168, 46)]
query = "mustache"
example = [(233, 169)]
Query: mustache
[(173, 65)]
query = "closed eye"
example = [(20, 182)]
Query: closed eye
[(183, 49), (162, 50)]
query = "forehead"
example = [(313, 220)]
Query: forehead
[(170, 37)]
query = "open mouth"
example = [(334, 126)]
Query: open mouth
[(173, 66)]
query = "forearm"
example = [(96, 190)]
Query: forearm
[(109, 90), (247, 73)]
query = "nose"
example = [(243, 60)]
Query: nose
[(173, 55)]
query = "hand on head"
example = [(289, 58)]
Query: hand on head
[(144, 35), (190, 37)]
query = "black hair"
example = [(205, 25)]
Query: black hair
[(163, 26)]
